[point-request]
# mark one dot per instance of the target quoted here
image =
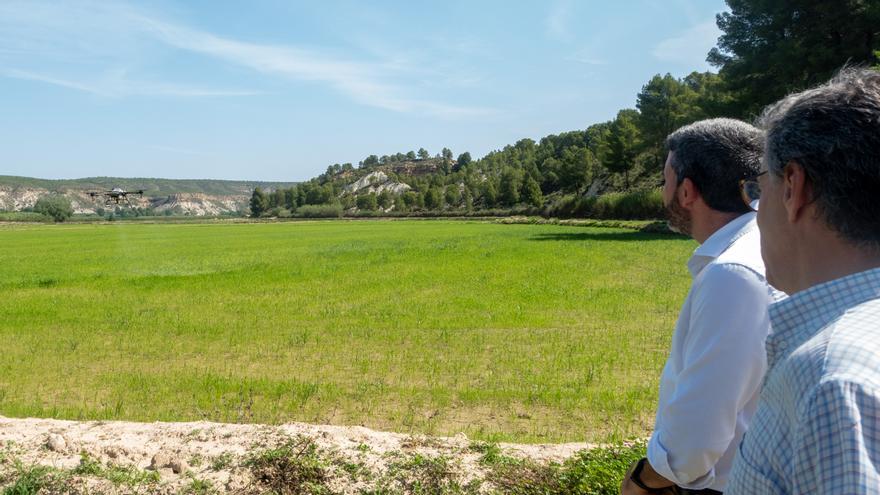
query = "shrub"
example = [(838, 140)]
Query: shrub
[(367, 202), (56, 206), (278, 212), (636, 205), (320, 211), (293, 468), (23, 216)]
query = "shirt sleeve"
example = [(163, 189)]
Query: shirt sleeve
[(837, 448), (723, 364)]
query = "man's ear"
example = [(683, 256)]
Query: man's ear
[(797, 192), (687, 193)]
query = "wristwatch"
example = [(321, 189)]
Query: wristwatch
[(636, 477)]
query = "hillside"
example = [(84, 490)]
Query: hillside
[(151, 186), (161, 196)]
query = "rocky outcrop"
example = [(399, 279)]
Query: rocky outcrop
[(197, 204), (194, 204), (376, 182)]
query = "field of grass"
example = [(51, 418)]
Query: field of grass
[(529, 333)]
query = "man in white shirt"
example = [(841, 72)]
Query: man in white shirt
[(710, 384)]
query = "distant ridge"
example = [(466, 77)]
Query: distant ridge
[(151, 186)]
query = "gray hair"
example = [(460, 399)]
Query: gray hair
[(833, 132), (715, 154)]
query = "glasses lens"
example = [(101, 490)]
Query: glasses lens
[(751, 190)]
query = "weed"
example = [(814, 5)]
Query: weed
[(599, 470), (491, 452), (116, 474), (199, 487), (427, 475), (31, 480), (88, 465), (294, 468), (222, 461), (596, 471), (129, 475)]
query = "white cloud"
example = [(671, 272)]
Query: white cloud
[(117, 86), (690, 47), (65, 31)]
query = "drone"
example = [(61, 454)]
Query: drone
[(116, 194)]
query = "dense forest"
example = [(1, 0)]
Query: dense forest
[(767, 49)]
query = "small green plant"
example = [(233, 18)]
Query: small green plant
[(428, 475), (491, 452), (31, 480), (199, 487), (88, 465), (222, 461), (525, 477), (596, 471), (130, 475), (116, 474), (292, 468), (600, 470)]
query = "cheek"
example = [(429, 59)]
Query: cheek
[(770, 246), (668, 192)]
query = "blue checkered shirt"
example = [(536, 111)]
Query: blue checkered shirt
[(817, 427)]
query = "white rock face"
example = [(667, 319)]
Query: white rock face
[(376, 182), (194, 204), (197, 204)]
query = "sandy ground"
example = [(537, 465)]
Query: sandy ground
[(187, 455)]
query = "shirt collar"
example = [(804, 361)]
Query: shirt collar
[(796, 318), (720, 240)]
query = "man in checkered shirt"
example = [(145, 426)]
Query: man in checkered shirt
[(817, 426)]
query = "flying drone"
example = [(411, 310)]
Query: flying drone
[(116, 194)]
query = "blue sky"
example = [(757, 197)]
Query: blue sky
[(279, 90)]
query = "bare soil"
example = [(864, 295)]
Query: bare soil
[(214, 457)]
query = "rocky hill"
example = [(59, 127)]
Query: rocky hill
[(179, 197)]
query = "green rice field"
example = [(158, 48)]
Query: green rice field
[(527, 333)]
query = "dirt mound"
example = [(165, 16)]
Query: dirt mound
[(202, 457)]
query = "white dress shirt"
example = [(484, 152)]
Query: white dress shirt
[(710, 384)]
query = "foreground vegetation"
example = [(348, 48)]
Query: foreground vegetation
[(298, 465), (505, 332)]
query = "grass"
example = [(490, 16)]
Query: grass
[(529, 333)]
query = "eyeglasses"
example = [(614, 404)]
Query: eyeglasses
[(750, 188)]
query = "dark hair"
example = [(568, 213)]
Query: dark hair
[(833, 132), (715, 154)]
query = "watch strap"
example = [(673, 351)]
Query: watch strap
[(636, 477)]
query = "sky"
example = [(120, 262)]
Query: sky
[(277, 90)]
